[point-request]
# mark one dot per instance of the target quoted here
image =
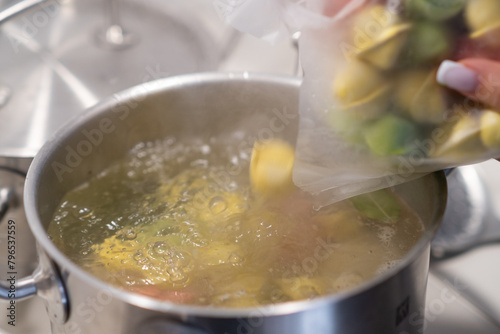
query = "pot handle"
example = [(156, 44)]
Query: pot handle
[(46, 283), (18, 290), (18, 8), (13, 289)]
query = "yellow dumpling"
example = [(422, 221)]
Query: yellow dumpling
[(490, 129), (271, 167)]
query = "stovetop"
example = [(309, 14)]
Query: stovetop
[(463, 294)]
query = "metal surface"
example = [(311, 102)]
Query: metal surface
[(113, 35), (50, 288), (45, 283), (12, 177), (17, 8), (16, 289), (53, 63), (14, 220), (203, 106), (469, 220), (7, 200), (162, 326), (14, 232)]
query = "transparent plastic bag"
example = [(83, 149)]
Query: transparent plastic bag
[(372, 113)]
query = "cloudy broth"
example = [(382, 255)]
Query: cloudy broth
[(177, 220)]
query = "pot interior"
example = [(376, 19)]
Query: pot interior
[(186, 107), (194, 106)]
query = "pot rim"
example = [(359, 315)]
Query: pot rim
[(40, 234)]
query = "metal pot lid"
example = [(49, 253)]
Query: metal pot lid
[(54, 64)]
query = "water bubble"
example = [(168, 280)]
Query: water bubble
[(160, 248), (140, 257), (84, 212), (242, 207), (385, 234), (386, 266), (180, 212), (130, 234), (235, 259), (205, 149), (201, 163), (217, 205), (348, 280), (178, 264), (176, 275), (275, 293), (142, 154), (169, 141), (112, 226), (212, 188), (307, 292), (168, 230), (62, 215), (244, 155)]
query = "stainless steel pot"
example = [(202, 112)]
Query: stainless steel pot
[(204, 105)]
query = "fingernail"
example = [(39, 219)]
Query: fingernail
[(456, 76)]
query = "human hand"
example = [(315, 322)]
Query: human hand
[(476, 78)]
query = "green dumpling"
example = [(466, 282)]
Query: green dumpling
[(435, 10), (381, 205), (427, 42), (391, 135)]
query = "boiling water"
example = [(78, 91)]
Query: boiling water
[(179, 222)]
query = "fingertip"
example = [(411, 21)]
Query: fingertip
[(485, 68), (456, 75)]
